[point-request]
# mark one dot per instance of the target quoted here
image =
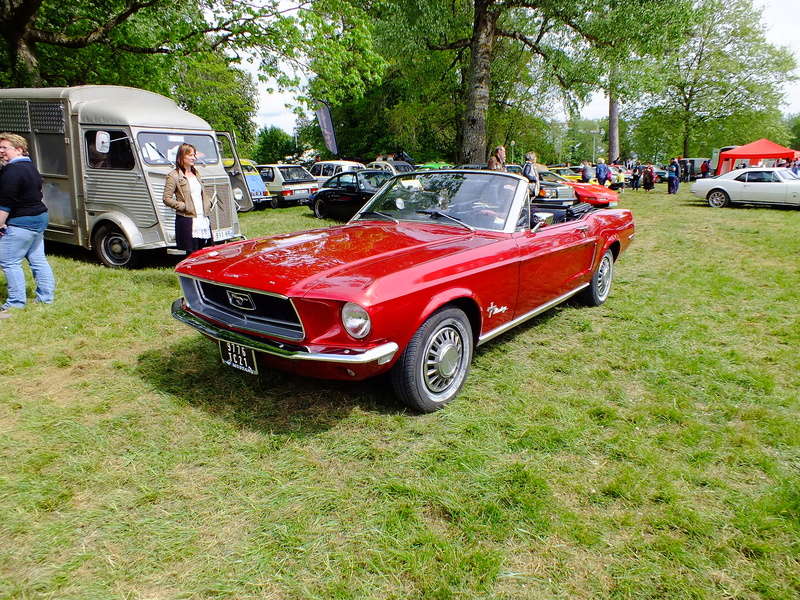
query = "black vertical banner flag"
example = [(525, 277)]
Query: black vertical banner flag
[(326, 125)]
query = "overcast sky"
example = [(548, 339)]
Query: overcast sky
[(781, 17)]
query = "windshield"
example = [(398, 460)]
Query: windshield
[(551, 177), (480, 200), (374, 179), (295, 173), (403, 167), (161, 148)]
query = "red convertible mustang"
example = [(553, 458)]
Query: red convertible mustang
[(435, 264)]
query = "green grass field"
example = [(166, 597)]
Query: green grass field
[(648, 448)]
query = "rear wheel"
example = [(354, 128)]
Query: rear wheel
[(321, 210), (112, 248), (718, 199), (435, 364), (600, 286), (274, 202)]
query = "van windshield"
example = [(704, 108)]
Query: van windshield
[(161, 148)]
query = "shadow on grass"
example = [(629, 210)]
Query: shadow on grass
[(273, 401)]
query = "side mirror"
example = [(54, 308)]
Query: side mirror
[(102, 142)]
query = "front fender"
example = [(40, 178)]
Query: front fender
[(125, 224)]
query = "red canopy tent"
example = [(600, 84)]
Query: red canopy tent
[(754, 152)]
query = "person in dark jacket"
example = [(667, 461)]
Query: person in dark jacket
[(674, 176), (603, 172), (531, 174), (586, 172), (23, 219)]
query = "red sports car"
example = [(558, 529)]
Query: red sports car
[(435, 264), (593, 193)]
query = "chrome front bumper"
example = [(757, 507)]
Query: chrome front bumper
[(380, 354)]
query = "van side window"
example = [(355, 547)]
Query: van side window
[(119, 156), (315, 169)]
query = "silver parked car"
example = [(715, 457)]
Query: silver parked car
[(754, 185)]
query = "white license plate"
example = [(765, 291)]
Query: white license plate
[(222, 234), (238, 357)]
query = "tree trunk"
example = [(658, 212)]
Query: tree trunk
[(473, 149), (26, 65), (613, 124)]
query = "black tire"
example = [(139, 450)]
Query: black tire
[(718, 198), (600, 286), (112, 248), (275, 202), (321, 210), (435, 364)]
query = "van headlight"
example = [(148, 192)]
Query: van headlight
[(356, 320), (238, 194)]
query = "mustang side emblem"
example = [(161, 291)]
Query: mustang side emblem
[(240, 300), (496, 310)]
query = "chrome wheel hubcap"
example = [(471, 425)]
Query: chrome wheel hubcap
[(604, 277), (444, 357)]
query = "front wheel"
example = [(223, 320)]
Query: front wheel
[(600, 286), (112, 248), (718, 199), (434, 365)]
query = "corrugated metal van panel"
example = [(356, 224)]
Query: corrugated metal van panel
[(120, 190)]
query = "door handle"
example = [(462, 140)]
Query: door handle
[(583, 228)]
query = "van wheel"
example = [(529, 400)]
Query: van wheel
[(274, 202), (112, 248), (320, 209)]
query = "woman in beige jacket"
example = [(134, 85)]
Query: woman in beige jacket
[(183, 191)]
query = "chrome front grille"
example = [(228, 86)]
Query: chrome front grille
[(246, 309)]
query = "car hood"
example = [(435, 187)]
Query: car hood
[(329, 260)]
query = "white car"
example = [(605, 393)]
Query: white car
[(326, 169), (394, 167), (287, 184), (753, 185)]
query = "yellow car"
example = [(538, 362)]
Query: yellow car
[(571, 173)]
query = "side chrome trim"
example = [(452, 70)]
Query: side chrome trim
[(380, 354), (529, 315)]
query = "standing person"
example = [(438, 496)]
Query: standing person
[(673, 176), (184, 192), (636, 174), (497, 161), (603, 173), (704, 169), (531, 174), (23, 219), (648, 177), (586, 172)]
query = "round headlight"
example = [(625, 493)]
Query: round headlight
[(238, 194), (355, 320)]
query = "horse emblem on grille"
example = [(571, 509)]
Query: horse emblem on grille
[(240, 300)]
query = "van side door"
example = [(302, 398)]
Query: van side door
[(230, 159)]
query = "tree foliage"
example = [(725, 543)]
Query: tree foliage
[(273, 145), (723, 86)]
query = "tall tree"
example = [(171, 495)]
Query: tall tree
[(726, 71), (333, 31)]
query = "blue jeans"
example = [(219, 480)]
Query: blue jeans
[(672, 185), (19, 243)]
